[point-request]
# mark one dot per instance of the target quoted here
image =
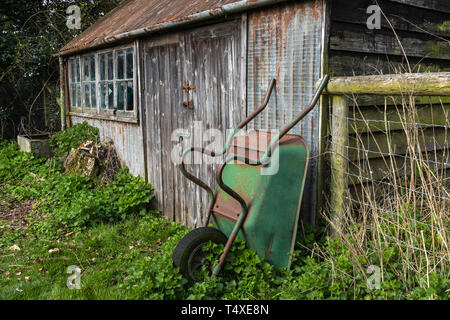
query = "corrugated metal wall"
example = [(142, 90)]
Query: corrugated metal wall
[(127, 140), (285, 43)]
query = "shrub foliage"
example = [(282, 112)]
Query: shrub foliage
[(133, 245)]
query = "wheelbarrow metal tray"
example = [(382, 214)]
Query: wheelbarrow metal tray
[(273, 200)]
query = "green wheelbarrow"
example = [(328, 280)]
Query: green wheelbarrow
[(257, 198)]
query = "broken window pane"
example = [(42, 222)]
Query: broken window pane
[(110, 94)]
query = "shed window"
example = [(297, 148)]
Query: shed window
[(103, 83), (124, 81), (89, 82), (75, 83), (106, 82)]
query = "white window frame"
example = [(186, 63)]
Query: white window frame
[(85, 108), (98, 112), (79, 102)]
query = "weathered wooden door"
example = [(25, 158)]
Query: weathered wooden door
[(195, 82)]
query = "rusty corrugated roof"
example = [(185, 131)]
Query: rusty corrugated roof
[(133, 15)]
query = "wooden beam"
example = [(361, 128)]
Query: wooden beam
[(339, 161), (386, 168), (380, 144), (438, 5), (379, 119), (380, 100), (422, 84), (384, 42), (402, 16)]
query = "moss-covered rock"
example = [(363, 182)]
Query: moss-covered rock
[(81, 162)]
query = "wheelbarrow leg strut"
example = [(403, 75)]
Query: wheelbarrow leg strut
[(237, 227), (229, 243)]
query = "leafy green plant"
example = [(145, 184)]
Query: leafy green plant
[(126, 250), (79, 203), (62, 142), (69, 201)]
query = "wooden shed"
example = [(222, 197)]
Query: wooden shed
[(152, 74)]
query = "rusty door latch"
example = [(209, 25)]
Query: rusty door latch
[(188, 88), (189, 104)]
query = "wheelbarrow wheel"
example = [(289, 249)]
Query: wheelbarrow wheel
[(188, 255)]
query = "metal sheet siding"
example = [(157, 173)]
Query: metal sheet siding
[(285, 43), (127, 140), (133, 18)]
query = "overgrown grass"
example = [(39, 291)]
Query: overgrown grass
[(124, 250), (398, 198)]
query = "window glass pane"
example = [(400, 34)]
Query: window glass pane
[(120, 95), (78, 95), (110, 66), (92, 59), (130, 96), (77, 70), (120, 59), (101, 61), (110, 94), (102, 89), (93, 96), (71, 67), (130, 64), (85, 69), (87, 100), (73, 96)]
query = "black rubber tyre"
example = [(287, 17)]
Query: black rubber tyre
[(188, 253)]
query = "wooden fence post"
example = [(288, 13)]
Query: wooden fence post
[(339, 161)]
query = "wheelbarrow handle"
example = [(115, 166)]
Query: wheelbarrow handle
[(263, 160), (272, 145), (274, 141), (241, 125), (260, 108), (308, 108)]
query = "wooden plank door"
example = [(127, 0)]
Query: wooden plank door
[(163, 75), (194, 83), (217, 69)]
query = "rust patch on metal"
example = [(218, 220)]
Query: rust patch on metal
[(317, 9), (230, 209), (131, 16), (269, 251)]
